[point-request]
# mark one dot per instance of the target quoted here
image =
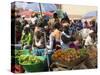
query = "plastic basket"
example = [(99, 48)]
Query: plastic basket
[(35, 67), (16, 57), (26, 52)]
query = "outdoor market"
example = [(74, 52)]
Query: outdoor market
[(48, 38)]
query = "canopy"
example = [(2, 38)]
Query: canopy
[(26, 13), (48, 13), (36, 6)]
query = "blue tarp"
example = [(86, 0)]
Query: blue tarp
[(20, 5), (35, 6)]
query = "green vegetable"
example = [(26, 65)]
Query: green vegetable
[(28, 60), (83, 52)]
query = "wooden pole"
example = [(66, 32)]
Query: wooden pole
[(40, 9)]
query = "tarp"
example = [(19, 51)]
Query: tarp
[(36, 7)]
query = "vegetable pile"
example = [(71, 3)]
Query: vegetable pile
[(29, 60), (68, 55)]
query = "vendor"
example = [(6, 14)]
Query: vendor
[(38, 39), (53, 20), (66, 38), (38, 47), (54, 38), (26, 39)]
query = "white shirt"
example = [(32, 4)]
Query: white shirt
[(28, 18), (88, 41), (33, 20), (50, 46), (84, 33)]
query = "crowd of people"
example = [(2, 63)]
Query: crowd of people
[(54, 32)]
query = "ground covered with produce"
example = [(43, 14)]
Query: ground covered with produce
[(68, 59)]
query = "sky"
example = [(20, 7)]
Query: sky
[(78, 10)]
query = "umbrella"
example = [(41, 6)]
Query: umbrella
[(26, 12), (48, 13), (44, 7), (90, 14), (37, 7), (33, 6), (48, 7)]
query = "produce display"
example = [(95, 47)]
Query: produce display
[(92, 51), (21, 52), (83, 52), (69, 55), (32, 63), (67, 58), (15, 57), (92, 60), (28, 60), (18, 53)]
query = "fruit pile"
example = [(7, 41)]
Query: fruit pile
[(21, 52), (29, 60), (68, 55), (92, 54), (92, 51), (83, 52)]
